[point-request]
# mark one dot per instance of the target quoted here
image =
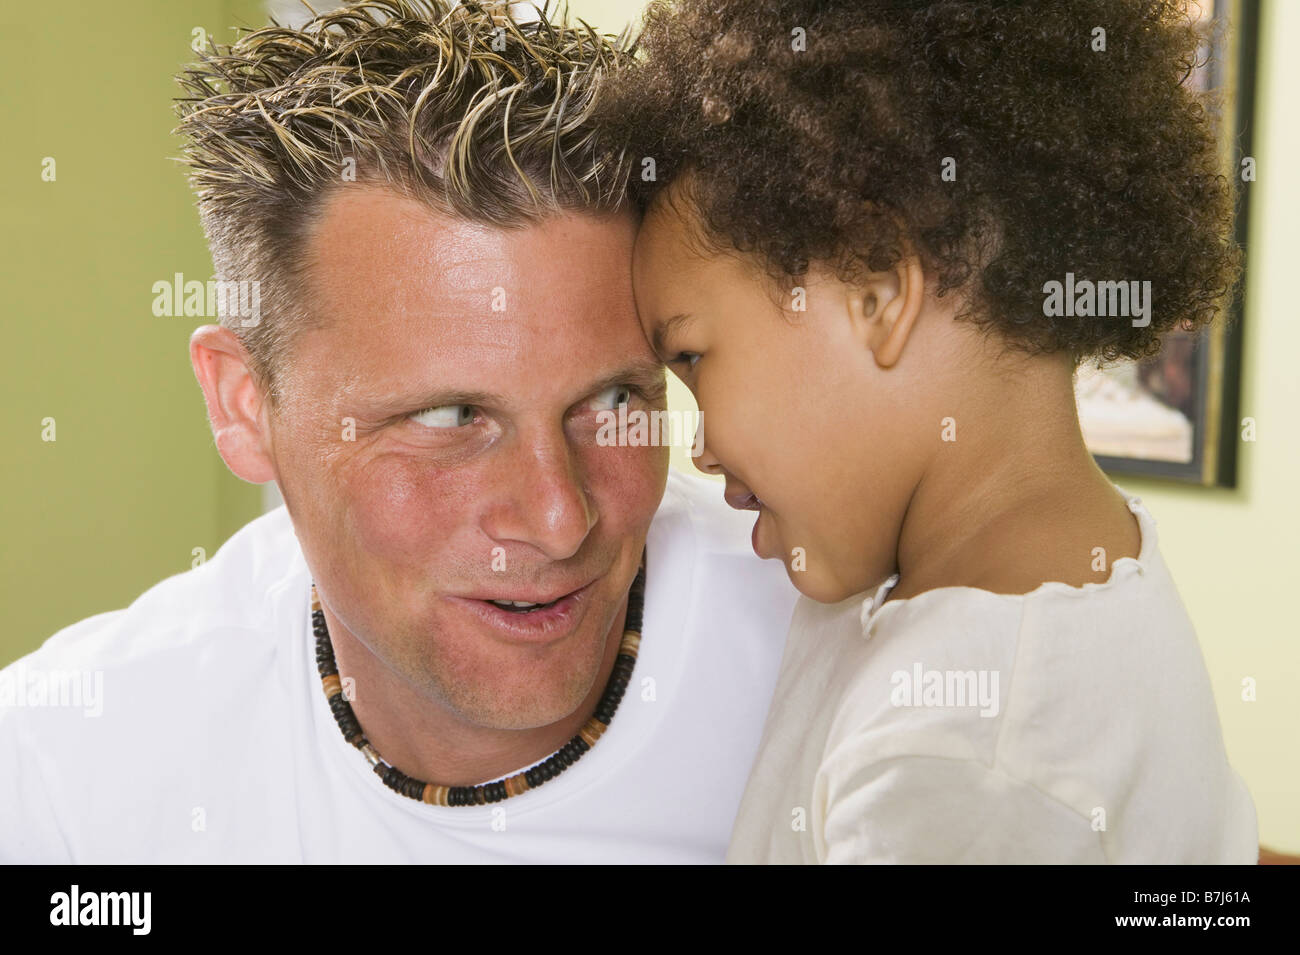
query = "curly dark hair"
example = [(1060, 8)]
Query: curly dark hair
[(1067, 158)]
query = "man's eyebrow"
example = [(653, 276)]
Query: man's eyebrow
[(443, 398), (664, 330), (645, 374)]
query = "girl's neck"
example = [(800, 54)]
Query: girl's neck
[(1016, 498)]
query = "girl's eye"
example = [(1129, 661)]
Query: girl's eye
[(686, 358), (446, 416), (611, 398)]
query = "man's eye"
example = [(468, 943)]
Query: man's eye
[(446, 416), (611, 398)]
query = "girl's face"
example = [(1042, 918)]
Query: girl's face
[(797, 414)]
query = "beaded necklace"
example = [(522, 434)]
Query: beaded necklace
[(555, 764)]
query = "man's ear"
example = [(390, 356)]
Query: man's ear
[(883, 309), (235, 404)]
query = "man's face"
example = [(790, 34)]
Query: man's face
[(436, 446)]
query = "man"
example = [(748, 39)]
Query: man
[(445, 322)]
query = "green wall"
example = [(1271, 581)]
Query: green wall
[(132, 483)]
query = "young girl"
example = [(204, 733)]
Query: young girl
[(861, 218)]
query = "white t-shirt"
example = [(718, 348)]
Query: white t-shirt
[(215, 743), (1066, 725)]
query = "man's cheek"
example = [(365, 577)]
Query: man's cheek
[(628, 481), (403, 509)]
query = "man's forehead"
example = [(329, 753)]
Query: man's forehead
[(375, 250), (382, 237), (364, 222), (411, 297)]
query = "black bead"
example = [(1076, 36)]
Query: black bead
[(562, 759)]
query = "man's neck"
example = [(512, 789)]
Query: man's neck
[(425, 739)]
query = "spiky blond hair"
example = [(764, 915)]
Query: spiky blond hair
[(458, 105)]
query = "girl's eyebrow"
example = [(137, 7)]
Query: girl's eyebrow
[(665, 330)]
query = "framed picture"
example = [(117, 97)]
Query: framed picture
[(1175, 415)]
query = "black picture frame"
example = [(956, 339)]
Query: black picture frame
[(1212, 355)]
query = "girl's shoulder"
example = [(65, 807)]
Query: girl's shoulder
[(969, 673), (1076, 541)]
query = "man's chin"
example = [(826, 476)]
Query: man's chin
[(524, 674), (525, 708)]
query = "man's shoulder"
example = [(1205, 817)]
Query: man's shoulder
[(140, 693), (233, 591), (190, 645)]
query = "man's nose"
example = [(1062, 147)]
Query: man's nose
[(544, 503)]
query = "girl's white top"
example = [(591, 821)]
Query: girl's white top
[(1065, 725)]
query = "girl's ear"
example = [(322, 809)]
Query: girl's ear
[(883, 309)]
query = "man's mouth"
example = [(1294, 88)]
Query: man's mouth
[(530, 615), (524, 606)]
